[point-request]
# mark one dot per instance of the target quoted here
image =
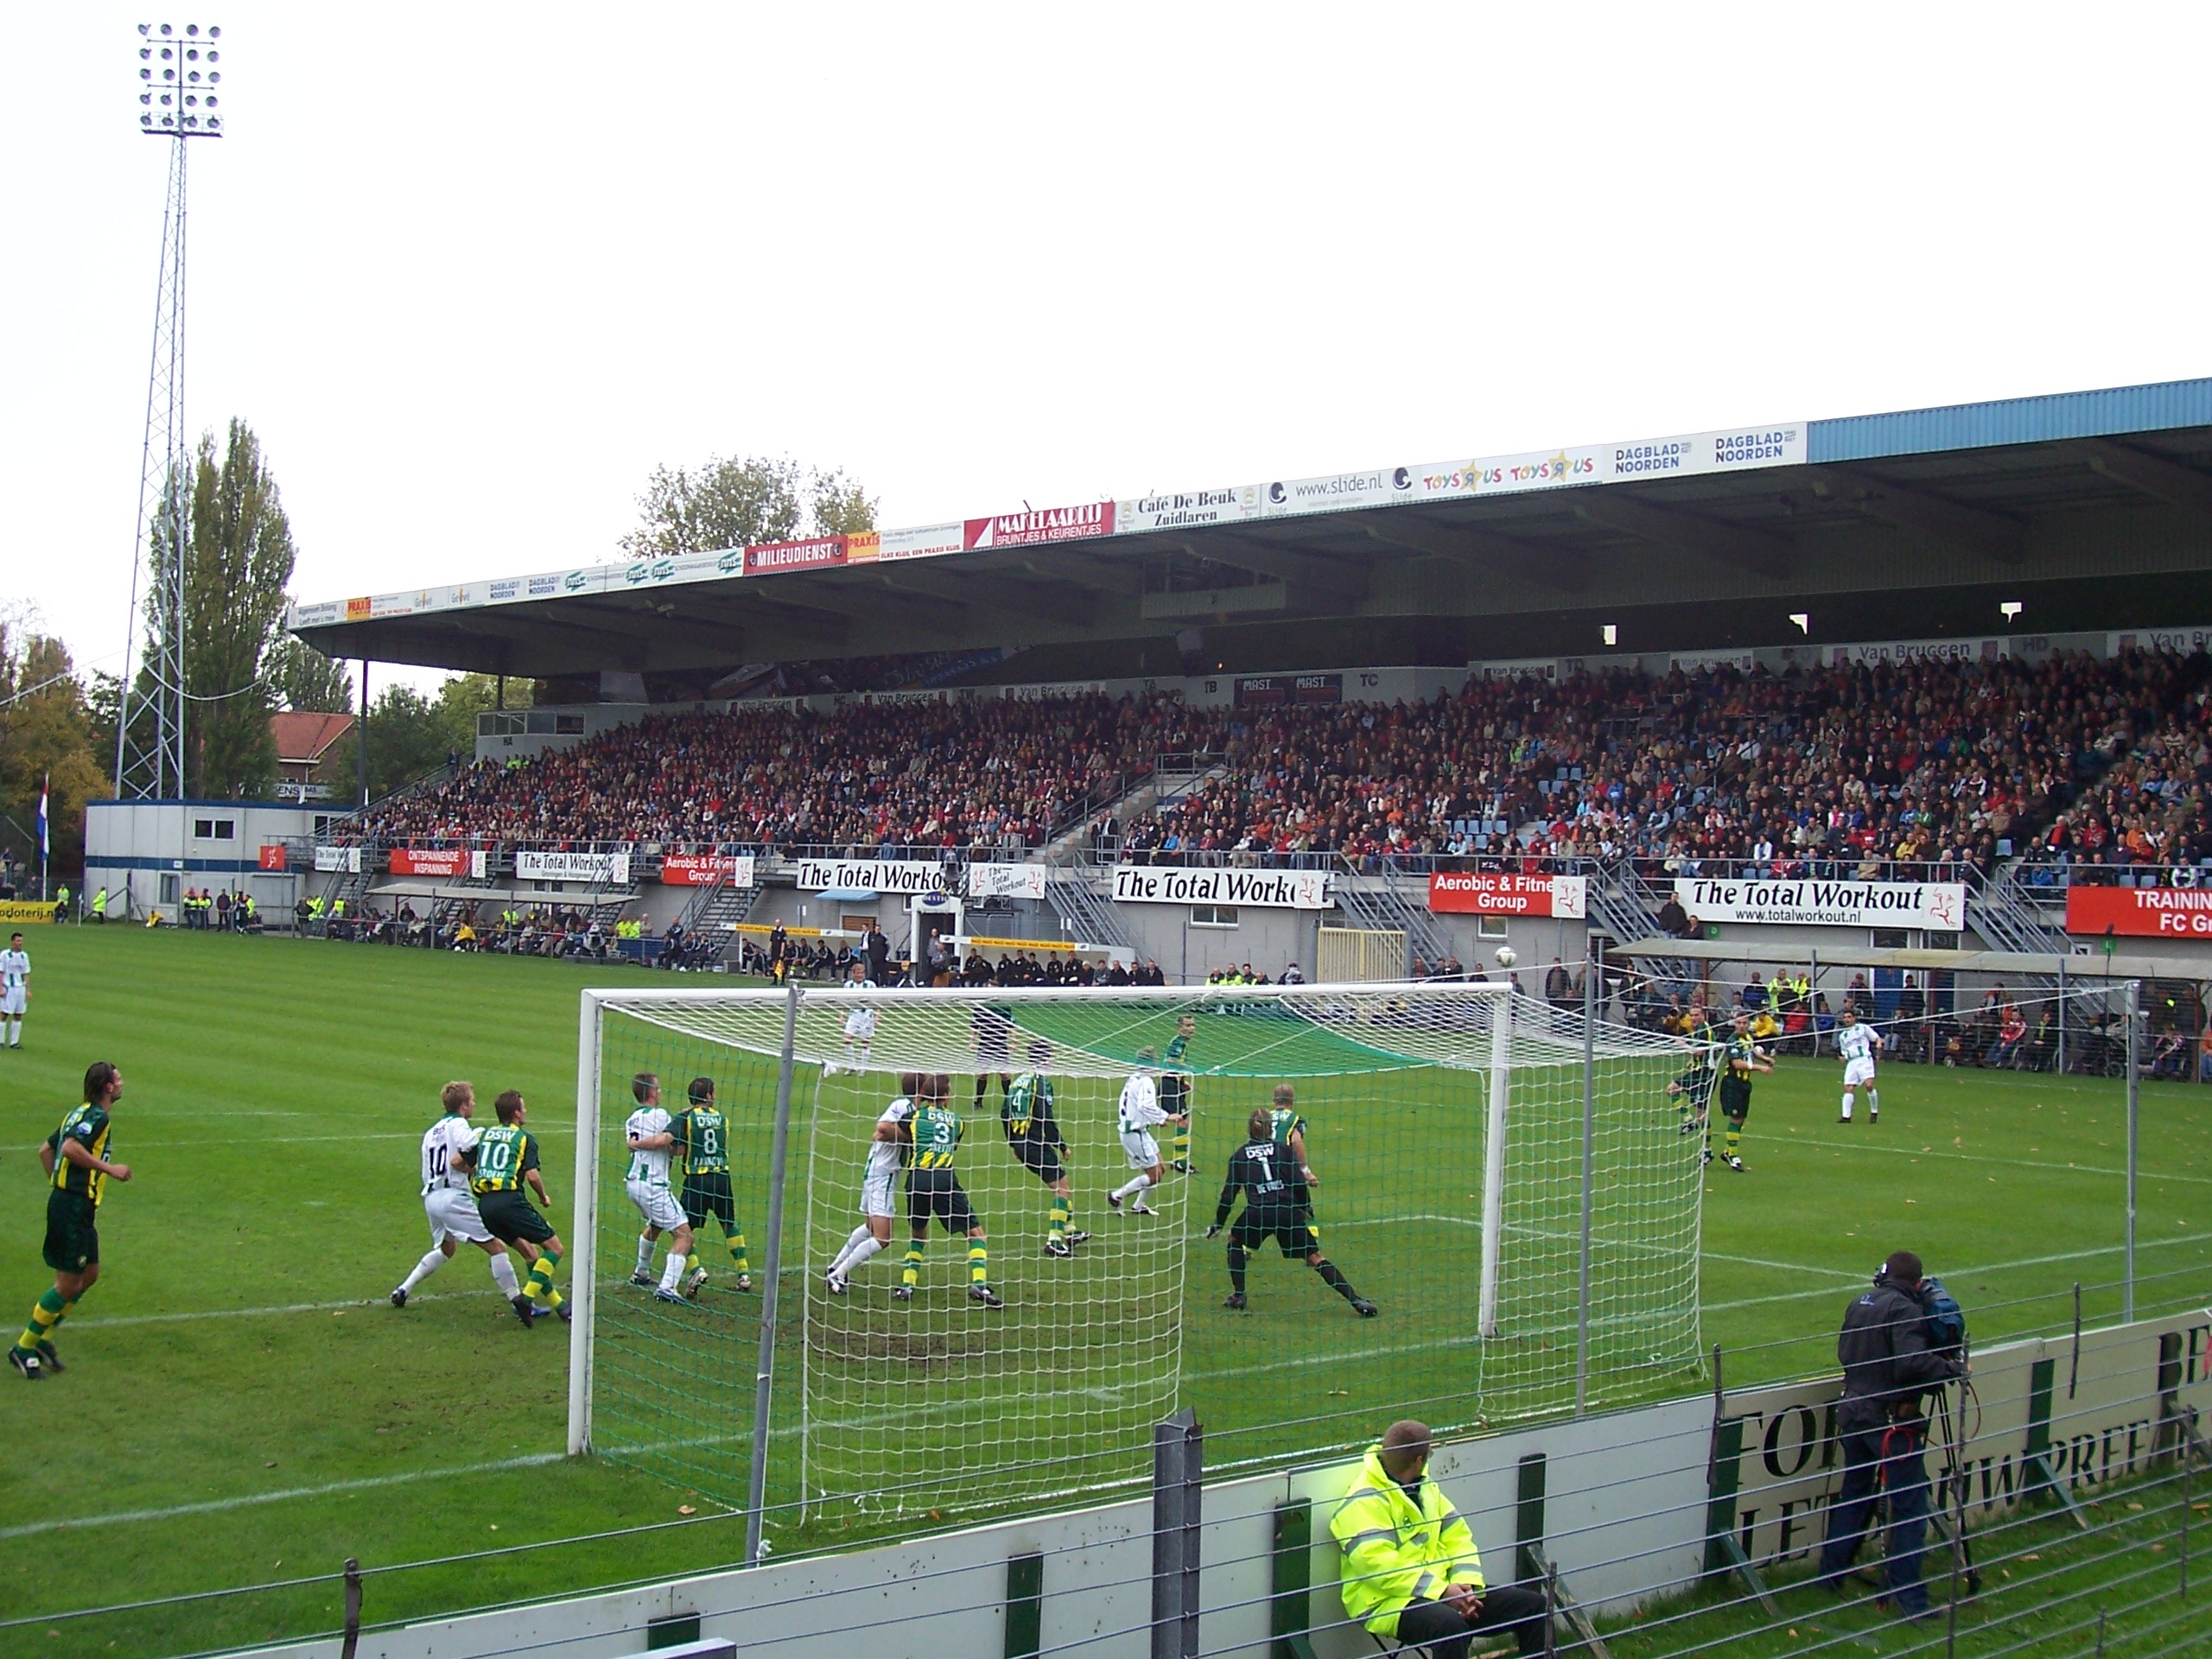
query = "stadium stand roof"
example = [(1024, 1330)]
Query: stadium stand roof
[(2094, 510)]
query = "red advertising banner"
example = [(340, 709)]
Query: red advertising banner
[(705, 870), (1049, 524), (2152, 913), (447, 861), (272, 855), (1507, 893), (771, 558)]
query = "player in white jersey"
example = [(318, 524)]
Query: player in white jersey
[(887, 1151), (1855, 1043), (15, 989), (649, 1133), (451, 1207), (1141, 1112), (859, 1024)]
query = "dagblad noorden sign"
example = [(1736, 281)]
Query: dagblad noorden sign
[(1143, 884), (1828, 903)]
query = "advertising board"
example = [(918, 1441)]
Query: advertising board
[(707, 870), (1807, 903), (2141, 913), (1507, 893), (601, 870), (1144, 884)]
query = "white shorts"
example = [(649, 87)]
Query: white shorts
[(1143, 1150), (657, 1204), (861, 1023), (879, 1195), (11, 1002), (1858, 1071), (453, 1215)]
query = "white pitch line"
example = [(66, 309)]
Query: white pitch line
[(137, 1146), (215, 1505), (262, 1313), (2146, 1174)]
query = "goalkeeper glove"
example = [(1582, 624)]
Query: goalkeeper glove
[(1214, 1231)]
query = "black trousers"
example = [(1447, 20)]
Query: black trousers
[(1433, 1625), (1888, 1455)]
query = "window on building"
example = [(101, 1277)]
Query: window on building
[(1891, 938), (203, 829), (1489, 927), (1934, 939), (1213, 915)]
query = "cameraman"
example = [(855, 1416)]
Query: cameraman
[(1889, 1363)]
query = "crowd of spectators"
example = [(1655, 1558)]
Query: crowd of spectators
[(1834, 771), (974, 774)]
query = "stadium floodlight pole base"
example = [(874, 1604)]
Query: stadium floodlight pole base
[(1501, 1066), (764, 1378), (583, 1238)]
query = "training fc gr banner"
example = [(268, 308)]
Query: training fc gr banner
[(1143, 884), (1808, 902), (602, 869)]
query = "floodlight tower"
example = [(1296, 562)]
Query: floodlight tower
[(179, 74)]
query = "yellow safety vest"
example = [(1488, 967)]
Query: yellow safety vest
[(1395, 1552)]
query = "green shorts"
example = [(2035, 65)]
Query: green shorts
[(510, 1217), (706, 1194), (1735, 1099), (73, 1234)]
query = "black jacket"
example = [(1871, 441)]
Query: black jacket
[(1887, 1362)]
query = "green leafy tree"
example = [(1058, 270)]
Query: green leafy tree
[(733, 503), (303, 679), (46, 737), (238, 565)]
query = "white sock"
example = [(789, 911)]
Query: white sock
[(861, 1251), (1135, 1186), (672, 1274), (503, 1276), (644, 1254), (1846, 1105), (1874, 1103), (863, 1054), (428, 1265), (852, 1243), (15, 1034)]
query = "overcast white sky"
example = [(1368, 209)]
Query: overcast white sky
[(470, 272)]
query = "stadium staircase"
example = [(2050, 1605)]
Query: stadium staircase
[(1623, 904), (1087, 914), (716, 911), (1375, 904), (1999, 910)]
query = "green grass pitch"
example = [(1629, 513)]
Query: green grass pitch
[(241, 1407)]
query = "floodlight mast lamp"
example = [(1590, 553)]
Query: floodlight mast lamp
[(179, 98)]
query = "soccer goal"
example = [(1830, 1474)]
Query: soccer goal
[(1512, 1194)]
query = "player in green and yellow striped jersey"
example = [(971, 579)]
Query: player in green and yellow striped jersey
[(702, 1137), (934, 1191), (1175, 1093), (77, 1170), (501, 1161), (1033, 1135)]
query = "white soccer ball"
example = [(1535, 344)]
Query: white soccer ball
[(1507, 955)]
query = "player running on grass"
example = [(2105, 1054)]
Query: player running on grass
[(648, 1134), (500, 1162), (1739, 1062), (1855, 1043), (933, 1191), (702, 1134), (1274, 1208), (446, 1201), (1140, 1114), (1033, 1133), (77, 1170), (887, 1156)]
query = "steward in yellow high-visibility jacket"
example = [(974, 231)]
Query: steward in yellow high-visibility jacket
[(1411, 1573)]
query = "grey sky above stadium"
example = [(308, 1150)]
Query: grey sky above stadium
[(473, 274)]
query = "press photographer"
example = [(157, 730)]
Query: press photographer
[(1901, 1340)]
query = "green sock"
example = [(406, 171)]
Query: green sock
[(913, 1263), (49, 1313), (979, 1262), (1734, 1139), (1060, 1225), (1182, 1142), (539, 1286), (736, 1243)]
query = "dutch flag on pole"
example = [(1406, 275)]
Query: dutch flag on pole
[(42, 784)]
